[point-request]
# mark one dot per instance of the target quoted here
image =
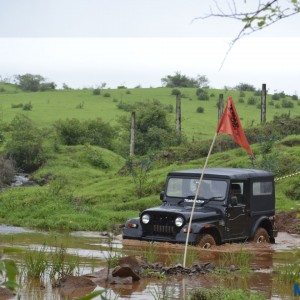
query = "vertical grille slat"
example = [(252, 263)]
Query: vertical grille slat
[(161, 224)]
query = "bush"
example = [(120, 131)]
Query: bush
[(241, 100), (2, 90), (202, 94), (245, 87), (251, 101), (19, 105), (275, 97), (169, 108), (242, 94), (26, 144), (107, 95), (128, 92), (294, 97), (96, 92), (7, 171), (175, 92), (94, 132), (212, 95), (121, 87), (115, 100), (287, 104), (125, 106), (80, 105), (271, 103), (282, 94), (27, 106), (47, 86), (277, 106), (200, 109), (95, 158)]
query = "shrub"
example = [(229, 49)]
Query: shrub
[(19, 105), (271, 103), (258, 106), (282, 94), (200, 109), (96, 92), (95, 157), (80, 105), (202, 94), (115, 100), (257, 93), (287, 104), (125, 106), (2, 90), (242, 94), (47, 86), (275, 96), (245, 87), (251, 101), (27, 106), (121, 87), (212, 95), (26, 144), (169, 108), (175, 92), (128, 92), (7, 171), (294, 97), (107, 95), (277, 106), (94, 132), (241, 100)]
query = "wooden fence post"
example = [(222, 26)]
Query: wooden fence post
[(132, 134), (263, 108), (220, 106), (178, 116)]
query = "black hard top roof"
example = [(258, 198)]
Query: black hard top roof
[(231, 173)]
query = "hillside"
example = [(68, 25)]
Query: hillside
[(82, 104), (76, 195)]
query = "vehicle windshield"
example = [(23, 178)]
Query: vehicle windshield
[(186, 187)]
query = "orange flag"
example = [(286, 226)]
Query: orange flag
[(230, 124)]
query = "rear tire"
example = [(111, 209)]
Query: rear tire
[(206, 241), (261, 236)]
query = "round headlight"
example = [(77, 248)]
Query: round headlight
[(179, 221), (145, 219)]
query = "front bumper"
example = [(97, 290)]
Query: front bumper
[(137, 234)]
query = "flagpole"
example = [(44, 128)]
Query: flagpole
[(196, 196)]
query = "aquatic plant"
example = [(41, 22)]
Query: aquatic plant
[(35, 263)]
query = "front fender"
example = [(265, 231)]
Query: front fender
[(132, 233), (257, 223)]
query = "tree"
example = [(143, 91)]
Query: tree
[(202, 81), (26, 144), (243, 87), (179, 80), (153, 131), (33, 83)]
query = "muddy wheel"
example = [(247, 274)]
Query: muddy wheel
[(206, 241), (261, 236)]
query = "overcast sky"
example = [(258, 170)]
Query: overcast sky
[(86, 42)]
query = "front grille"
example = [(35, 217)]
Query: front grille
[(161, 224), (163, 229)]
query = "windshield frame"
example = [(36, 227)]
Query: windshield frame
[(204, 178)]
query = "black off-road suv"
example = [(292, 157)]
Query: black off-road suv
[(233, 205)]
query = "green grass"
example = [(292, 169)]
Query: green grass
[(222, 293), (79, 196), (53, 105)]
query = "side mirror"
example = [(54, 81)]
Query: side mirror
[(162, 195), (233, 201)]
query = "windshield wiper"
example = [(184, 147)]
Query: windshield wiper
[(205, 201)]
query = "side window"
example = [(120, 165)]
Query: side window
[(237, 189), (262, 188)]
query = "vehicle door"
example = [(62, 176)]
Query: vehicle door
[(236, 212)]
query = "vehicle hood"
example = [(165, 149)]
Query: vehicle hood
[(205, 213)]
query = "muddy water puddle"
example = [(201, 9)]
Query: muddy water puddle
[(92, 249)]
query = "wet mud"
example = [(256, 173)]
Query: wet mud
[(93, 250)]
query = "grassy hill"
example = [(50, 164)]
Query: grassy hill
[(61, 104), (79, 196)]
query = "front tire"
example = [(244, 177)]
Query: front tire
[(261, 236), (206, 241)]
